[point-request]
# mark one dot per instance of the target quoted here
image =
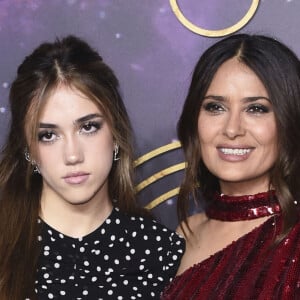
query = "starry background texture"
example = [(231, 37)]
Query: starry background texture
[(151, 52)]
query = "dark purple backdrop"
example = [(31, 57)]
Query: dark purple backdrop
[(152, 53)]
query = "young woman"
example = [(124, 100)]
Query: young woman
[(70, 227), (240, 132)]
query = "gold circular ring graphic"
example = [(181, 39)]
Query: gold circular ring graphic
[(214, 33)]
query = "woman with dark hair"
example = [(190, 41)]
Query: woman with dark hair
[(70, 227), (240, 131)]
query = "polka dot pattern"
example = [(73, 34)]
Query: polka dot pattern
[(125, 258)]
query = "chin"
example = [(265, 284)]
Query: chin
[(79, 201)]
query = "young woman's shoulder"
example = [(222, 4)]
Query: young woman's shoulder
[(154, 244), (149, 229)]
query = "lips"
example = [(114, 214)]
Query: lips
[(76, 178)]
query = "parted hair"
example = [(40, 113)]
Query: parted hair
[(278, 68), (71, 62)]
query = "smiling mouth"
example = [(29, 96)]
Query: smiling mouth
[(235, 151)]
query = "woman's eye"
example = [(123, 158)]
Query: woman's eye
[(213, 107), (47, 136), (90, 127), (258, 109)]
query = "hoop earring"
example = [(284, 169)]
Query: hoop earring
[(116, 152)]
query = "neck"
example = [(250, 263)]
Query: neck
[(75, 220), (252, 187)]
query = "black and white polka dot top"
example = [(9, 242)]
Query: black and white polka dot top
[(125, 258)]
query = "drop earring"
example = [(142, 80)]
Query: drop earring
[(32, 162), (116, 152), (36, 169)]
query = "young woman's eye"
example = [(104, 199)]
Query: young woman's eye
[(90, 127), (213, 107), (258, 109), (47, 136)]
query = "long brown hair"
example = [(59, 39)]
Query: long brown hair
[(279, 70), (71, 62)]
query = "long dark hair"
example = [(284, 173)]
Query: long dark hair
[(279, 70), (72, 62)]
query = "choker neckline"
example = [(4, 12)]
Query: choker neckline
[(242, 208)]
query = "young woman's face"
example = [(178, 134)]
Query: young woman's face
[(75, 150), (237, 130)]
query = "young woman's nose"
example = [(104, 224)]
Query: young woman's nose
[(234, 126), (73, 153)]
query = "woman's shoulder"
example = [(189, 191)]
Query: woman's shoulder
[(192, 223), (150, 236), (147, 226)]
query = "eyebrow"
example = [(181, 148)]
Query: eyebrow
[(246, 99), (77, 121)]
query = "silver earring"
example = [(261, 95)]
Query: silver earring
[(116, 152), (36, 170), (32, 162), (27, 155)]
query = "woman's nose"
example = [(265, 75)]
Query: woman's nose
[(73, 153), (234, 126)]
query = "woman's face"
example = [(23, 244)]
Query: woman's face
[(75, 150), (237, 130)]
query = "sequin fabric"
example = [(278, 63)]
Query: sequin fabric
[(250, 268), (248, 207)]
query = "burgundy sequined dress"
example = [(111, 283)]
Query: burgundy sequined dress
[(252, 267)]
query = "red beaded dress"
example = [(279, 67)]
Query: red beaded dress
[(252, 267)]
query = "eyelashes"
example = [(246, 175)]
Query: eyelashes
[(213, 107), (90, 127), (258, 108), (49, 136), (46, 136), (253, 108)]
